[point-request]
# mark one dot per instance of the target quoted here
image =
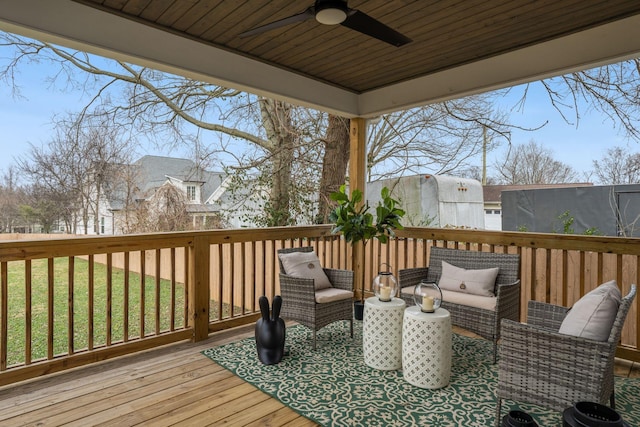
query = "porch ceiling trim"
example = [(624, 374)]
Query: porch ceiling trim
[(599, 46)]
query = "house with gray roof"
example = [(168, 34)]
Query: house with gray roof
[(205, 193)]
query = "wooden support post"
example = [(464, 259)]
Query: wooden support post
[(199, 266), (357, 180)]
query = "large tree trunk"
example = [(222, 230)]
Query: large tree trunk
[(334, 163), (276, 119)]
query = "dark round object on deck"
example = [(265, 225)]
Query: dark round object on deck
[(518, 419), (591, 414), (270, 332)]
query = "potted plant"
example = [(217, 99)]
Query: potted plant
[(353, 220)]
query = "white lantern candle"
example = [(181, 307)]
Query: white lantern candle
[(427, 303), (385, 293)]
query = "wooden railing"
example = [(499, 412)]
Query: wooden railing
[(60, 308), (69, 302)]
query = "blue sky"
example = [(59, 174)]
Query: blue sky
[(29, 120), (574, 145)]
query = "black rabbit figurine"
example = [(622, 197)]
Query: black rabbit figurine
[(270, 332)]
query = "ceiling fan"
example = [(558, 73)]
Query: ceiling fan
[(333, 12)]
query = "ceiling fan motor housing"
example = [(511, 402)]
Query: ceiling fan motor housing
[(330, 12)]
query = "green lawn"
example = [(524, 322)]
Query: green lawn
[(16, 294)]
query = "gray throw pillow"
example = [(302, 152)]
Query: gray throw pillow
[(305, 265), (592, 316), (477, 282)]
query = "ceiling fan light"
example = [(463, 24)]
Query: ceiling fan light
[(331, 12)]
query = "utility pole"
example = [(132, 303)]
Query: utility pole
[(484, 155)]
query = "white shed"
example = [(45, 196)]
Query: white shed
[(434, 200)]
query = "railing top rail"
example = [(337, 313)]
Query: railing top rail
[(35, 249), (271, 233), (603, 244), (84, 245), (13, 250)]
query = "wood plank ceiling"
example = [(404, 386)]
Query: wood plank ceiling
[(445, 34)]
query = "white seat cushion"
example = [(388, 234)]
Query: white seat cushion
[(471, 300), (477, 282), (305, 265), (486, 303), (332, 294), (592, 316)]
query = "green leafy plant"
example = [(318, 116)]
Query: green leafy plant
[(567, 223), (592, 231), (355, 222)]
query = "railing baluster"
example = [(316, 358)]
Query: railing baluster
[(126, 285), (263, 251), (143, 286), (187, 286), (109, 300), (537, 286), (50, 308), (28, 310), (70, 306), (4, 314), (91, 301), (393, 255), (221, 278), (232, 274), (252, 278), (157, 292), (172, 302), (269, 293), (619, 268), (600, 267), (547, 275), (242, 277)]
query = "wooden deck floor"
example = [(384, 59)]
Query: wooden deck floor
[(175, 385)]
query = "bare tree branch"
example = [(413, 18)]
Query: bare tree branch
[(533, 164)]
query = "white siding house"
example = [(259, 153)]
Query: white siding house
[(205, 191)]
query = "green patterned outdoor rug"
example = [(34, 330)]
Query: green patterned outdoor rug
[(333, 387)]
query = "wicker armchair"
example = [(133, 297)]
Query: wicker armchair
[(299, 300), (541, 366), (483, 322)]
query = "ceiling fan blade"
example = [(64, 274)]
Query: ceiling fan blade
[(309, 13), (365, 24)]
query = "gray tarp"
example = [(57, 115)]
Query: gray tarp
[(612, 210)]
